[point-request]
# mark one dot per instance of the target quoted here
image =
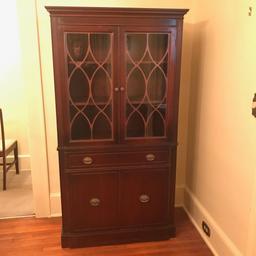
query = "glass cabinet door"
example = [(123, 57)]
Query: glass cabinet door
[(146, 82), (89, 58)]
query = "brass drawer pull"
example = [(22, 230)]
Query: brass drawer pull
[(150, 157), (95, 202), (87, 160), (144, 199)]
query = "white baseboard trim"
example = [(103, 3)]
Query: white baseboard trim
[(55, 201), (24, 162), (179, 196), (55, 204), (219, 243), (18, 217)]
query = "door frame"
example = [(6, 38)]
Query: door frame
[(32, 82)]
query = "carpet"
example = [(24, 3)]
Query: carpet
[(17, 200)]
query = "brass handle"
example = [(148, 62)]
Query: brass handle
[(144, 199), (116, 89), (121, 89), (150, 157), (95, 202), (87, 160)]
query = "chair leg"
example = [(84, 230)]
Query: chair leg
[(16, 158), (4, 173)]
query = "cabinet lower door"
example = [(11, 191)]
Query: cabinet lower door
[(92, 200), (144, 197)]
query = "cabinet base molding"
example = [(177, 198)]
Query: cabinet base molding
[(120, 236)]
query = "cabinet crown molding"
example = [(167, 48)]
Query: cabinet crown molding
[(110, 11)]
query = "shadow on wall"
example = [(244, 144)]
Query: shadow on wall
[(194, 101)]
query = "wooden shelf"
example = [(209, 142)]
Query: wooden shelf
[(146, 62), (90, 103), (145, 102), (79, 63)]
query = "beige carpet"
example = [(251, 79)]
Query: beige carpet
[(17, 200)]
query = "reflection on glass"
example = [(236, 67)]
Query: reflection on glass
[(156, 85), (135, 126), (77, 46), (101, 128), (79, 87), (136, 45), (146, 82), (100, 46), (101, 86), (135, 85), (80, 128), (158, 44), (89, 63)]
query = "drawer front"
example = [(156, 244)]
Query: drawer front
[(84, 160), (92, 200), (144, 197)]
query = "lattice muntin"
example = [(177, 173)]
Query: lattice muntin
[(146, 82), (89, 57)]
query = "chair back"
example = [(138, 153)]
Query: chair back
[(2, 130)]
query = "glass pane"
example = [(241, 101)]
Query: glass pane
[(91, 112), (156, 85), (135, 85), (89, 64), (101, 127), (146, 83), (158, 44), (77, 46), (78, 87), (136, 46), (100, 46), (135, 126), (80, 128), (101, 86), (155, 126)]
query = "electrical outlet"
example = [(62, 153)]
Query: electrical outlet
[(254, 105), (250, 11), (206, 229)]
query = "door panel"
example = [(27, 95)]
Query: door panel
[(92, 200), (144, 197), (89, 64), (146, 80)]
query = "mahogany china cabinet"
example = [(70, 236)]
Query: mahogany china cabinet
[(117, 73)]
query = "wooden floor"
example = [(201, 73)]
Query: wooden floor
[(36, 237)]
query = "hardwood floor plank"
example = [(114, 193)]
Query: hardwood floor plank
[(38, 237)]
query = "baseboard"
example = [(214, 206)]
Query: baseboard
[(55, 204), (18, 217), (24, 162), (219, 243), (179, 196), (55, 201)]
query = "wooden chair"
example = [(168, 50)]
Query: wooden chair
[(7, 147)]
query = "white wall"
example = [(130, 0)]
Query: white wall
[(222, 137), (31, 78), (12, 90)]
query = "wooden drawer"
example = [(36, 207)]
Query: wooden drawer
[(144, 197), (84, 160), (92, 200)]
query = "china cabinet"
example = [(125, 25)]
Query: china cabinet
[(117, 73)]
